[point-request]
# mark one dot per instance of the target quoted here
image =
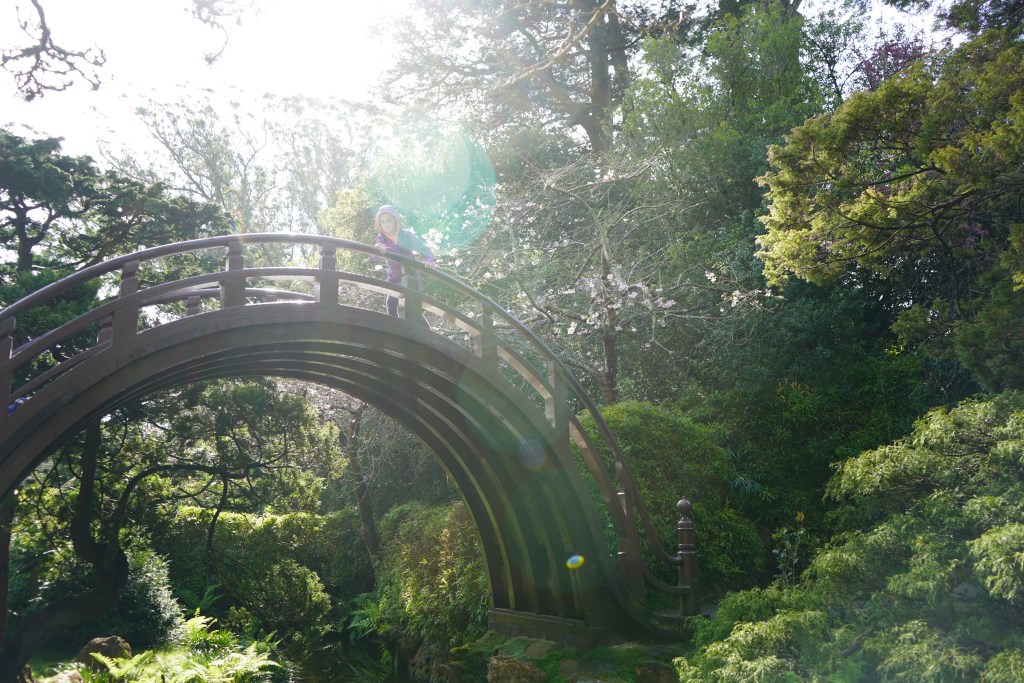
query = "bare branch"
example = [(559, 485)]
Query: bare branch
[(215, 13), (45, 66)]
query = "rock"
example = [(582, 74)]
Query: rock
[(653, 672), (539, 648), (502, 669), (25, 675), (422, 661), (70, 676), (113, 647), (448, 672), (568, 667), (408, 647)]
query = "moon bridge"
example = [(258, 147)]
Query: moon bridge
[(485, 394)]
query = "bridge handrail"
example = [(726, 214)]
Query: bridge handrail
[(622, 515)]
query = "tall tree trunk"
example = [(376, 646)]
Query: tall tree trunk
[(359, 487), (600, 80), (610, 333), (110, 571)]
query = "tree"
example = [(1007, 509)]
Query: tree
[(970, 16), (913, 191), (62, 212), (272, 165), (923, 583), (59, 213), (704, 121), (565, 63), (535, 76), (232, 446)]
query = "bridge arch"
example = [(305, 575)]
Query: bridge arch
[(507, 451)]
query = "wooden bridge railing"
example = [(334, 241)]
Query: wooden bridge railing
[(459, 311)]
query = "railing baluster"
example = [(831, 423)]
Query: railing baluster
[(6, 346), (192, 307), (413, 299), (556, 410), (126, 319), (232, 287), (327, 281), (689, 603), (629, 550), (106, 332), (485, 344)]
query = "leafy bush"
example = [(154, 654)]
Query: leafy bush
[(201, 655), (671, 458), (285, 598), (284, 571), (146, 612), (431, 580), (928, 589)]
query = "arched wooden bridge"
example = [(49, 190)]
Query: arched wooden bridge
[(479, 389)]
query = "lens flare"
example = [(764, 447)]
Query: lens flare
[(531, 455), (574, 562), (443, 178)]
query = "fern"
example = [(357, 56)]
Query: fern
[(124, 668)]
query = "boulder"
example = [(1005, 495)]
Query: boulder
[(408, 648), (502, 669), (114, 647), (537, 649), (652, 672), (69, 676)]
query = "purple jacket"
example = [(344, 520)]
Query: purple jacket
[(408, 244)]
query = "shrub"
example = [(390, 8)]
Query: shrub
[(261, 563), (431, 580), (671, 458), (200, 655), (285, 597), (147, 610), (145, 613), (929, 590)]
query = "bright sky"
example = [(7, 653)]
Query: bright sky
[(317, 48)]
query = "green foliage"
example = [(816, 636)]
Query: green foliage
[(203, 655), (198, 634), (999, 561), (790, 551), (122, 667), (278, 568), (821, 380), (1006, 667), (927, 588), (286, 596), (917, 651), (913, 190), (994, 346), (62, 211), (431, 580), (146, 612), (671, 458)]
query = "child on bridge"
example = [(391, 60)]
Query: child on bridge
[(393, 238)]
